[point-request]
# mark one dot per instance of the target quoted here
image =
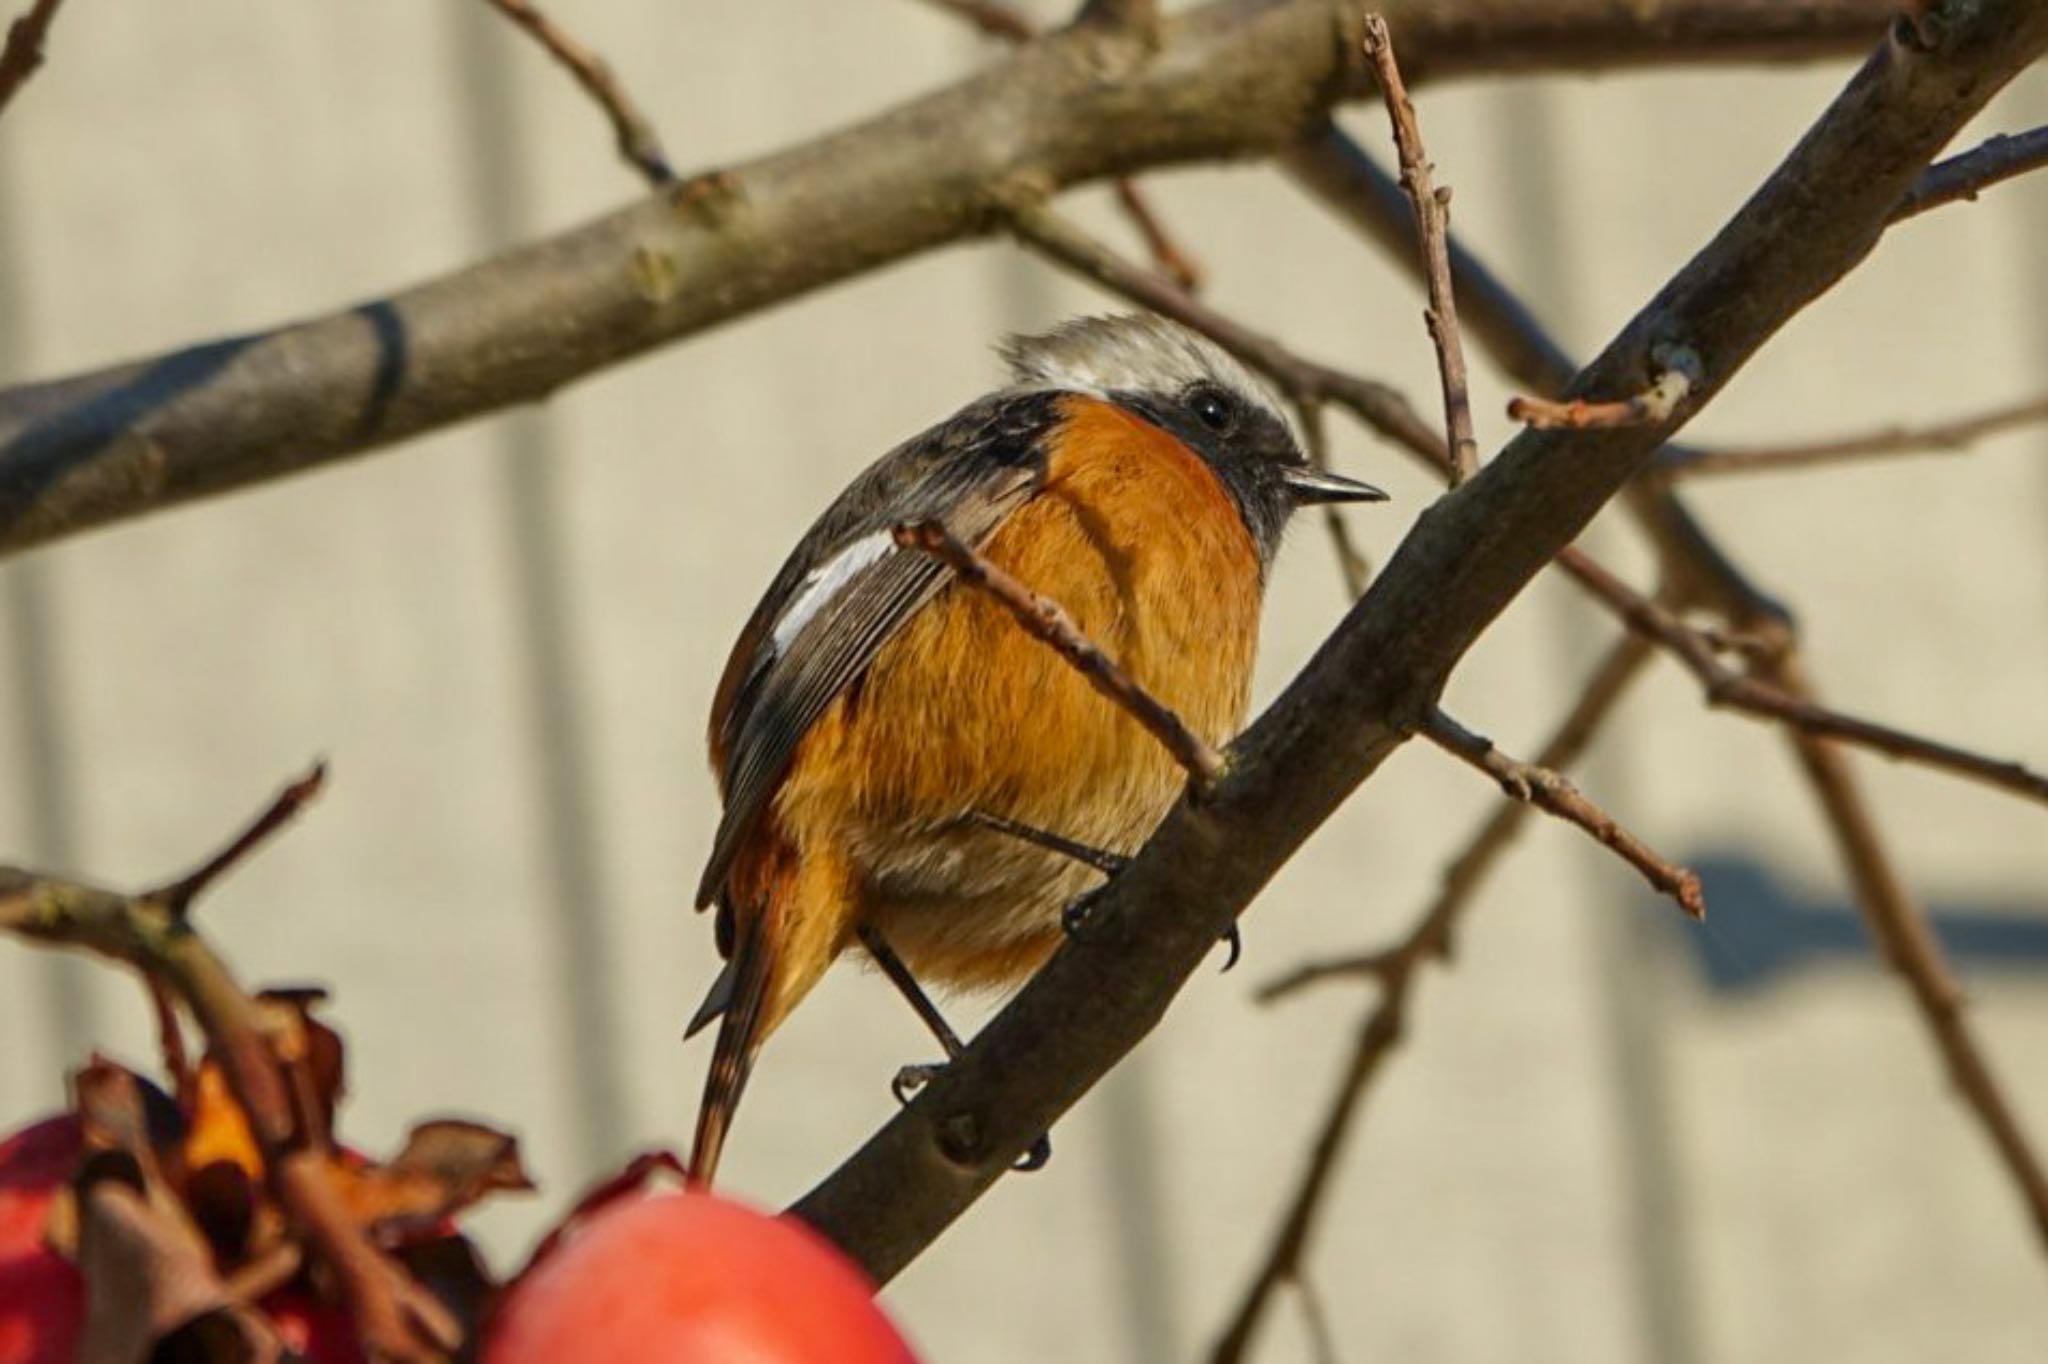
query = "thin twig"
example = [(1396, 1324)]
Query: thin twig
[(1651, 407), (1543, 787), (1965, 176), (1909, 945), (993, 18), (1394, 968), (1432, 219), (1345, 178), (1941, 437), (153, 932), (1753, 695), (283, 808), (23, 54), (1168, 257), (1351, 562), (1049, 622), (1132, 16), (638, 143)]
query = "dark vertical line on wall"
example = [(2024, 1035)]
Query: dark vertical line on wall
[(1658, 1245), (1135, 1196), (581, 910), (43, 772)]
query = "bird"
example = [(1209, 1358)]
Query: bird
[(903, 768)]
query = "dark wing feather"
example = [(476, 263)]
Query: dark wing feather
[(972, 472)]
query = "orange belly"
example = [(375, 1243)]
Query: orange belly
[(963, 710)]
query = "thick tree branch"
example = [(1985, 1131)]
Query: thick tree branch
[(1394, 969), (1337, 172), (1377, 676), (1234, 77)]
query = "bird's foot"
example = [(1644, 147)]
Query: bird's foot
[(1074, 917)]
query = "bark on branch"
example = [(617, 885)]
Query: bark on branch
[(1376, 677), (1232, 78)]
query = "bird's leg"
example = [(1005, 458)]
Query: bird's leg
[(910, 1079), (1074, 917)]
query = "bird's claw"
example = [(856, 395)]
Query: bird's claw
[(1036, 1157), (1074, 917), (1236, 941), (911, 1079)]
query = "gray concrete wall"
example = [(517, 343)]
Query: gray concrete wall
[(505, 638)]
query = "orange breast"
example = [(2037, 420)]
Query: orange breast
[(1135, 536)]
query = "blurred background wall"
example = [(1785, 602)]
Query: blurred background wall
[(1612, 1136)]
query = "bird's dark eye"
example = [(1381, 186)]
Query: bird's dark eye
[(1212, 407)]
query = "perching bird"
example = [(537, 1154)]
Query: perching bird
[(877, 718)]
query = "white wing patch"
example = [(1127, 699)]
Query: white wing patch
[(822, 583)]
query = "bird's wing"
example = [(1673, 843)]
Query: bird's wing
[(849, 588)]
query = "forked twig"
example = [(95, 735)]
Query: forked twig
[(1753, 695), (1049, 622), (153, 932), (1394, 969)]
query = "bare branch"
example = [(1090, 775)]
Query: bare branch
[(1541, 786), (23, 54), (1346, 180), (1168, 257), (1013, 25), (1432, 219), (1754, 696), (638, 143), (1909, 945), (1238, 76), (1394, 968), (1360, 697), (153, 933), (283, 808), (1049, 622), (1130, 16), (1651, 407), (1942, 437), (1963, 177)]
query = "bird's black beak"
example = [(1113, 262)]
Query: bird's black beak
[(1310, 487)]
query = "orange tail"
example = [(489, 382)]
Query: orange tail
[(741, 992)]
